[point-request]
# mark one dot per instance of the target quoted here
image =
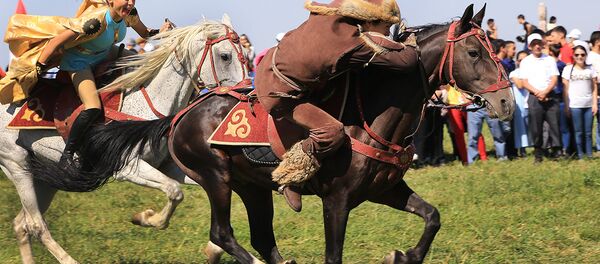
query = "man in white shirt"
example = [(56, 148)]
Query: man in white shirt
[(539, 75), (594, 60)]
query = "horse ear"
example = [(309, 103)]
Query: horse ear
[(478, 18), (465, 20), (226, 20)]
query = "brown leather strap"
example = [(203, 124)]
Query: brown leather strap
[(401, 159)]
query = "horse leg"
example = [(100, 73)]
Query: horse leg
[(148, 176), (221, 232), (259, 206), (403, 198), (335, 218), (35, 199)]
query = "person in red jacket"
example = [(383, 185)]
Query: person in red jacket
[(337, 37)]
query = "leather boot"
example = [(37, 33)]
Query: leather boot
[(292, 197), (78, 130)]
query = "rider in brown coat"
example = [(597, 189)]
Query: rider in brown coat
[(337, 37)]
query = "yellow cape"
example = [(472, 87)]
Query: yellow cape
[(27, 36)]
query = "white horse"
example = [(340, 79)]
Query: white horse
[(170, 75)]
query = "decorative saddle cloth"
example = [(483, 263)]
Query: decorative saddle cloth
[(54, 104)]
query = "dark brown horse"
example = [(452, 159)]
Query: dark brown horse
[(347, 179)]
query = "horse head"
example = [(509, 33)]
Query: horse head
[(220, 57), (475, 67)]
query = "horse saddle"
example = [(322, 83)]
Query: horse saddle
[(54, 104), (262, 138)]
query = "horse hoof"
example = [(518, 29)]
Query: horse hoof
[(291, 261), (213, 253), (141, 219), (399, 257)]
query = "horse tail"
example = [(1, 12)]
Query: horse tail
[(105, 150)]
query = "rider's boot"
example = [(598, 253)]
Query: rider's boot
[(296, 167), (78, 130), (292, 195)]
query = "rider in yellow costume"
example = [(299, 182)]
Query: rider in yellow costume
[(77, 45)]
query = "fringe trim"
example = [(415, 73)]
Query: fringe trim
[(377, 49), (296, 167), (359, 9)]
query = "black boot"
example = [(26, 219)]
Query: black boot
[(78, 130)]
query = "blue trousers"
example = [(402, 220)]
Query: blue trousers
[(474, 126), (598, 129), (565, 133), (582, 122)]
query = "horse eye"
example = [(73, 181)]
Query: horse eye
[(225, 56), (473, 54)]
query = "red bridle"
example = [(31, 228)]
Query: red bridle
[(234, 39), (480, 35)]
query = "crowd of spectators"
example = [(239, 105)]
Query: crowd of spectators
[(555, 85)]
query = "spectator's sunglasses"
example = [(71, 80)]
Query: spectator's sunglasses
[(579, 55)]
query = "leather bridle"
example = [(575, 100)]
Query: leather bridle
[(448, 55), (399, 156), (234, 39)]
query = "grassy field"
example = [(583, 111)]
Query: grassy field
[(492, 212)]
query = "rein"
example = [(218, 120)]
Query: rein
[(401, 157), (234, 39), (448, 55)]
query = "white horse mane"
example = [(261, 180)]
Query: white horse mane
[(147, 65)]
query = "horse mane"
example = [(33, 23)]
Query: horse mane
[(426, 31), (147, 65)]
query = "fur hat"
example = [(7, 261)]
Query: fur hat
[(365, 10)]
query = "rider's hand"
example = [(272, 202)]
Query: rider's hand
[(166, 26)]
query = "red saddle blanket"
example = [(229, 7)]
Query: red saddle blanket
[(55, 105), (245, 124), (248, 124)]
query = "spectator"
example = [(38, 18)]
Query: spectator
[(551, 23), (457, 120), (492, 31), (506, 54), (539, 75), (559, 34), (521, 118), (565, 123), (581, 97), (529, 28), (2, 73), (497, 128), (574, 35), (130, 46), (247, 45), (594, 60), (505, 51), (141, 42), (429, 137)]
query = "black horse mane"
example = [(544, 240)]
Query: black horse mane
[(426, 31)]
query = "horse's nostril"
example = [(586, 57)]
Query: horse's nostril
[(505, 106)]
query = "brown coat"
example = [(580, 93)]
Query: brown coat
[(318, 50)]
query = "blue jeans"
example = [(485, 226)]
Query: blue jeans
[(598, 130), (564, 128), (474, 126), (582, 122)]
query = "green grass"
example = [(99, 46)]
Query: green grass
[(510, 212)]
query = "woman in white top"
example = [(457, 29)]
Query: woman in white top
[(581, 96), (521, 115)]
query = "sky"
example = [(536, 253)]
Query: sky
[(261, 20)]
